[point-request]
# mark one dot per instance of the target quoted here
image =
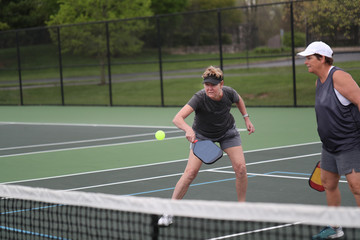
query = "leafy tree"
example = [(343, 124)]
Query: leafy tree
[(326, 17), (25, 13), (4, 26), (196, 5), (90, 39), (201, 28), (329, 18), (168, 6), (299, 39), (167, 24)]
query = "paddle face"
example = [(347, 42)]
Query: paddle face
[(315, 179), (207, 151)]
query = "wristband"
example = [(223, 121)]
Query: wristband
[(245, 115)]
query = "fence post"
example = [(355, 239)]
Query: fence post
[(19, 67), (220, 39), (60, 67), (108, 61), (293, 52), (160, 61)]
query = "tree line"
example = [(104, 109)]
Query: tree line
[(321, 18)]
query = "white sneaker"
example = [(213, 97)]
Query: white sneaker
[(165, 220)]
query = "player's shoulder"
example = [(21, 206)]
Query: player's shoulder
[(340, 72), (199, 95), (231, 94), (340, 75), (228, 89), (200, 92), (337, 71)]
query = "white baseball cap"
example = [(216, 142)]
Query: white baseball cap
[(317, 47)]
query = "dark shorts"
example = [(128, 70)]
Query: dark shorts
[(230, 139), (341, 163)]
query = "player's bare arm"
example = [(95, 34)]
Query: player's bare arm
[(241, 106), (346, 85), (179, 121)]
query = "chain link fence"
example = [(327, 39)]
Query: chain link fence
[(158, 61)]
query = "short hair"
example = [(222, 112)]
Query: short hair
[(213, 71), (328, 60)]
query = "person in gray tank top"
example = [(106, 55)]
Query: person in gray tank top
[(337, 107), (212, 121)]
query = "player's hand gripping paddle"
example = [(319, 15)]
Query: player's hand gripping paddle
[(315, 179), (207, 151)]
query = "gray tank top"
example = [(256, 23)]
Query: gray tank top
[(338, 125)]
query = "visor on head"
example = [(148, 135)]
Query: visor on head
[(212, 79)]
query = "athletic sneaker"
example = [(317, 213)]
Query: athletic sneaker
[(329, 233), (165, 220)]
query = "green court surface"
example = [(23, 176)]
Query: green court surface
[(113, 150)]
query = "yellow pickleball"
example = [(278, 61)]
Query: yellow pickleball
[(160, 135)]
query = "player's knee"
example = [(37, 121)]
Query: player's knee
[(190, 174), (329, 185), (240, 170), (354, 183), (354, 187)]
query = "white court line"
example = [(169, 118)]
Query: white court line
[(271, 175), (283, 159), (124, 182), (85, 125), (154, 164), (284, 176), (93, 172), (83, 141), (267, 175), (95, 125), (272, 160), (287, 146), (86, 147)]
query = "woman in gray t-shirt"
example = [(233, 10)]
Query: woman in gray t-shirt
[(214, 121)]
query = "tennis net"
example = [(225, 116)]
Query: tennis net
[(37, 213)]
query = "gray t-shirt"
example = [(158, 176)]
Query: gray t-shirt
[(213, 118), (338, 125)]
